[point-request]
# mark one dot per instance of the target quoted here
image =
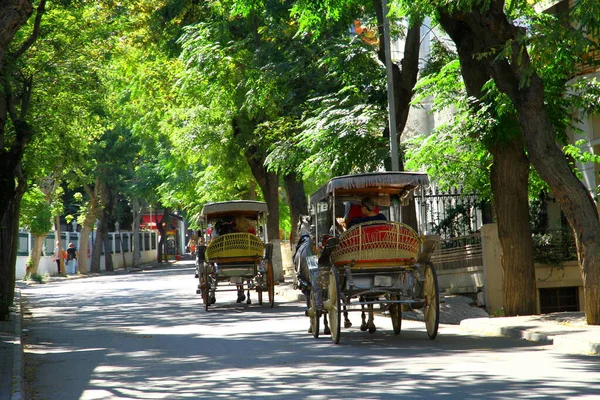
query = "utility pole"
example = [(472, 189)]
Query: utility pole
[(390, 89)]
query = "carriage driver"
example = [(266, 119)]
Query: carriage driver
[(370, 212)]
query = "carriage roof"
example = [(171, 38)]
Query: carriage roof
[(371, 184), (247, 208)]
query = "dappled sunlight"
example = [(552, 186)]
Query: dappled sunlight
[(145, 336)]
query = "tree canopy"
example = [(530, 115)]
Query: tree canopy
[(175, 103)]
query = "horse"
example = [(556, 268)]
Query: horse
[(302, 275), (370, 323), (303, 279)]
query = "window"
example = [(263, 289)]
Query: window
[(559, 299)]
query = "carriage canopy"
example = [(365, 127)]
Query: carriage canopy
[(247, 208), (390, 183)]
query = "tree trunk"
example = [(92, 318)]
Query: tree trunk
[(510, 178), (9, 239), (137, 212), (36, 253), (404, 81), (573, 197), (13, 15), (101, 233), (162, 239), (57, 237), (510, 181), (109, 266), (96, 253), (84, 245), (298, 202), (8, 256), (269, 184), (493, 30), (87, 227)]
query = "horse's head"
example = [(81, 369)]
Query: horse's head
[(304, 225)]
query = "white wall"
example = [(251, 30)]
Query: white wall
[(47, 266)]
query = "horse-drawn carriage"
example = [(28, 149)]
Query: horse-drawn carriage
[(369, 261), (235, 256)]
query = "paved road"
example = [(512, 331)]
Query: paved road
[(146, 336)]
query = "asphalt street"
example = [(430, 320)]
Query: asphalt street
[(78, 331)]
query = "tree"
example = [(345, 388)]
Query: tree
[(485, 118), (15, 133), (505, 55), (244, 62), (36, 216), (351, 109)]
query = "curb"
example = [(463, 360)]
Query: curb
[(578, 346), (18, 384), (477, 325), (560, 343), (286, 290)]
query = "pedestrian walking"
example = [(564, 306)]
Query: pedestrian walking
[(192, 247), (56, 256)]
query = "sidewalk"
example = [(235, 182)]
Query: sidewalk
[(11, 354), (567, 332)]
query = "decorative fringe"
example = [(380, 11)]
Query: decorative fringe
[(224, 207), (402, 181)]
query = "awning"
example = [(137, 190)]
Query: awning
[(234, 207), (372, 183)]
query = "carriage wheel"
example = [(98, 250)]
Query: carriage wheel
[(333, 305), (396, 314), (431, 311), (271, 284), (314, 315)]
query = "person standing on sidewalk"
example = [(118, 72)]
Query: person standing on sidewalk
[(56, 255), (72, 259)]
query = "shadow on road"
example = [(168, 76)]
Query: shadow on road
[(147, 335)]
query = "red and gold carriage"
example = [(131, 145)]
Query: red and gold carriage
[(383, 263)]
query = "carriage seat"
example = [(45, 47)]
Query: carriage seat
[(234, 245), (377, 243)]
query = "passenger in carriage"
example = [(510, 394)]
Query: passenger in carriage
[(243, 224), (352, 210), (223, 227), (370, 212)]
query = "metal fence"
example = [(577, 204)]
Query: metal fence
[(119, 242), (450, 214), (554, 246), (459, 252)]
